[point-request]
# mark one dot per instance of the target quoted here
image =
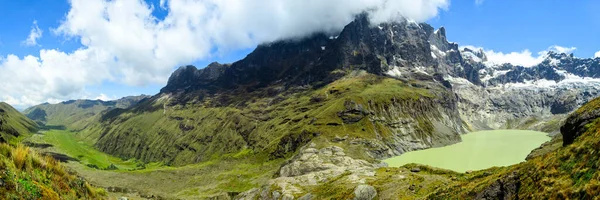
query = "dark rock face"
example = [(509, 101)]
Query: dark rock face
[(375, 48), (505, 188), (291, 143), (188, 77), (354, 112), (575, 125)]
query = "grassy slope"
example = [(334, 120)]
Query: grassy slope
[(271, 125), (68, 143), (567, 173), (13, 125), (76, 114), (25, 174)]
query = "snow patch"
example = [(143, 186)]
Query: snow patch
[(554, 61), (569, 81), (457, 81), (421, 70), (394, 72), (433, 55), (471, 56), (435, 49)]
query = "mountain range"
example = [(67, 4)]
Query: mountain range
[(327, 108)]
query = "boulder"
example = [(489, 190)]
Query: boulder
[(364, 192)]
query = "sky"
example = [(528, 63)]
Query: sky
[(51, 51)]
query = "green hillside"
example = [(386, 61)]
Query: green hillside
[(25, 174), (76, 114), (180, 130), (14, 125)]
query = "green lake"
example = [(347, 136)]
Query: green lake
[(478, 150)]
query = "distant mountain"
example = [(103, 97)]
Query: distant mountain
[(13, 124), (75, 114)]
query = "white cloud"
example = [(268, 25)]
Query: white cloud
[(479, 2), (597, 54), (53, 76), (559, 49), (34, 35), (123, 42), (523, 58), (104, 97)]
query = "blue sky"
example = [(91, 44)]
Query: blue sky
[(500, 26)]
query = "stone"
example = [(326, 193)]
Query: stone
[(326, 151), (337, 149), (276, 194), (364, 192), (505, 188), (308, 196), (416, 169), (123, 198), (310, 150), (287, 197), (248, 195)]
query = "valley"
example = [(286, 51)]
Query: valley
[(375, 111)]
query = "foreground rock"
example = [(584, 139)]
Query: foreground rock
[(312, 167)]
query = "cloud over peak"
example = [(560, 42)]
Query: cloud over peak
[(523, 58), (123, 42)]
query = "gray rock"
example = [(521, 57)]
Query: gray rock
[(308, 196), (287, 197), (311, 150), (364, 192), (123, 198), (248, 195), (276, 194), (416, 169), (504, 188)]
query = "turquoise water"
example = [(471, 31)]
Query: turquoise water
[(478, 150)]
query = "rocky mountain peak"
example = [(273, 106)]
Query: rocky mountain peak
[(401, 49)]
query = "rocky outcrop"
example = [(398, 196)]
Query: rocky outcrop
[(577, 123), (502, 189), (313, 166), (364, 192), (331, 159)]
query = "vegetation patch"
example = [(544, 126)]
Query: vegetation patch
[(25, 174)]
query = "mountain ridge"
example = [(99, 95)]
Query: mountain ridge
[(76, 114), (328, 106)]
